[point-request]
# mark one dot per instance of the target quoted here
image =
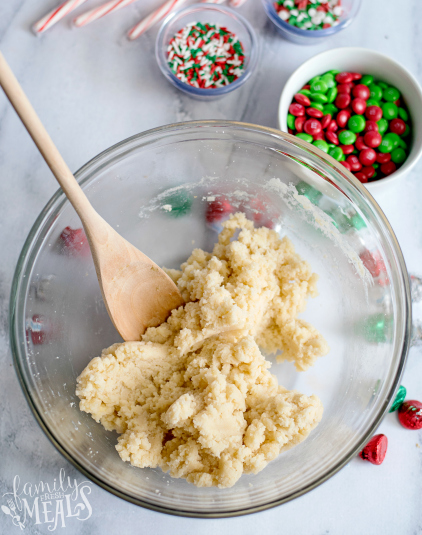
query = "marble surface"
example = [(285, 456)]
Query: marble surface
[(92, 88)]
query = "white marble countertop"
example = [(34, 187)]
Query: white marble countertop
[(92, 88)]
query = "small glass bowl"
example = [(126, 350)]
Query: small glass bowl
[(311, 37), (213, 14)]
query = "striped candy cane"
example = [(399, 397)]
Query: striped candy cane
[(155, 17), (237, 3), (55, 15), (100, 11)]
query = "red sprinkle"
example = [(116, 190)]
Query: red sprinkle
[(410, 414), (375, 450)]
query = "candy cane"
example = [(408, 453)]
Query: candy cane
[(155, 17), (55, 15), (237, 3), (100, 11)]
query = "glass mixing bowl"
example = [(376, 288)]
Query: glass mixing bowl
[(59, 322)]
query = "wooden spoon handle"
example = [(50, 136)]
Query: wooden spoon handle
[(51, 155)]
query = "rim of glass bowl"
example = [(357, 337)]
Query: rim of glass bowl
[(285, 26), (351, 186), (160, 50)]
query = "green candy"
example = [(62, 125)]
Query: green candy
[(357, 221), (317, 105), (305, 137), (372, 102), (330, 108), (308, 191), (395, 138), (382, 126), (375, 92), (403, 144), (398, 400), (378, 328), (321, 145), (367, 79), (403, 114), (382, 85), (305, 92), (291, 121), (347, 137), (391, 94), (328, 78), (319, 97), (180, 202), (389, 110), (334, 72), (375, 165), (398, 155), (336, 153), (331, 146), (387, 145), (356, 124), (314, 79), (407, 131), (332, 94), (292, 20), (340, 221), (319, 86)]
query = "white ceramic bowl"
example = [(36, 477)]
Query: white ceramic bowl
[(367, 62)]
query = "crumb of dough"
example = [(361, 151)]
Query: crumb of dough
[(195, 396)]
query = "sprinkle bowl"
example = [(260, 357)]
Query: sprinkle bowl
[(212, 14)]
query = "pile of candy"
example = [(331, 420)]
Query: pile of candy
[(359, 121), (206, 56), (310, 14), (410, 416)]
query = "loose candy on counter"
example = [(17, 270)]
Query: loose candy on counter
[(206, 56), (177, 204), (310, 14), (398, 400), (353, 118), (410, 414), (74, 242), (375, 450)]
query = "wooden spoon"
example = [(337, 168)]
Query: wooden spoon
[(137, 293)]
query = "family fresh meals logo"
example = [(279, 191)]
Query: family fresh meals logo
[(52, 504)]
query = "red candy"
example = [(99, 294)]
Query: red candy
[(333, 126), (359, 106), (388, 168), (344, 88), (398, 126), (302, 99), (347, 149), (361, 177), (371, 126), (354, 163), (374, 113), (326, 120), (216, 210), (74, 241), (313, 112), (410, 414), (344, 77), (332, 137), (342, 117), (360, 144), (342, 100), (367, 157), (372, 139), (361, 91), (296, 109), (312, 127), (346, 165), (356, 75), (320, 135), (299, 123), (375, 450), (383, 157), (368, 171)]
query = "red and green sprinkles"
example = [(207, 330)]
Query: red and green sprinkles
[(206, 56), (310, 14)]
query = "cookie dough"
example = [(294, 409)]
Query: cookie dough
[(195, 396)]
